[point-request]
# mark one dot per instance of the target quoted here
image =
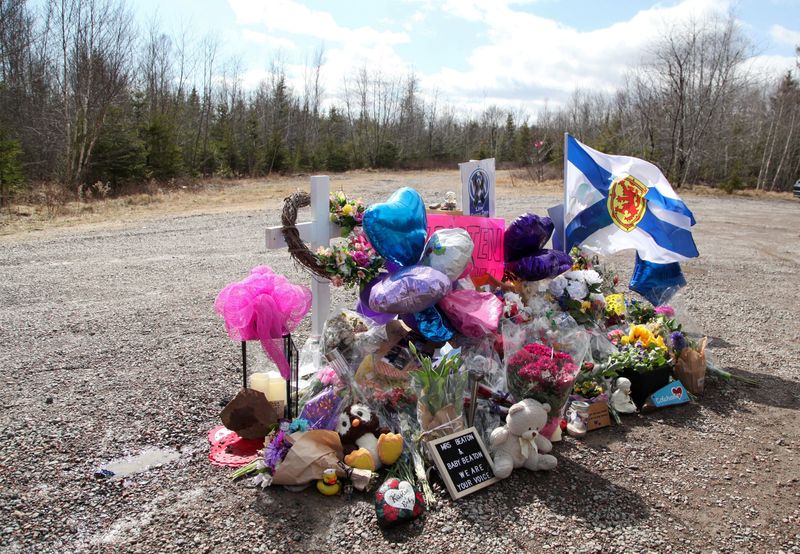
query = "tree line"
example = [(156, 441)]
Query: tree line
[(85, 97)]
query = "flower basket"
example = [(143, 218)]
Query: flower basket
[(643, 384)]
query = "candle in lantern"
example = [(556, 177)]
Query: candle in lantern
[(274, 388)]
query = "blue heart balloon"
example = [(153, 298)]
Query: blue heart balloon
[(397, 228)]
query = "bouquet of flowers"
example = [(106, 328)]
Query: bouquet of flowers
[(543, 373), (579, 293), (582, 260), (440, 390), (346, 213), (354, 263)]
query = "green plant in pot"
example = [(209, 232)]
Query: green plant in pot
[(644, 359)]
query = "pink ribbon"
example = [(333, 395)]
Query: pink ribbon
[(264, 306)]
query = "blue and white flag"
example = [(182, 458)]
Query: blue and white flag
[(614, 203)]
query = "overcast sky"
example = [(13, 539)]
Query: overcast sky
[(473, 52)]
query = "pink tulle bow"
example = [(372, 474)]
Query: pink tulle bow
[(264, 306)]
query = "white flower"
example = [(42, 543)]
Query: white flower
[(262, 480), (597, 297), (574, 276), (557, 286), (591, 277), (577, 290)]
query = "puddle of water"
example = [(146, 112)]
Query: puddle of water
[(146, 459)]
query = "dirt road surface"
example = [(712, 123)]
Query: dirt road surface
[(109, 346)]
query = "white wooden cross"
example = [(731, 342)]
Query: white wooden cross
[(318, 232)]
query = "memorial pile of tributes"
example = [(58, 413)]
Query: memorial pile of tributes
[(471, 348)]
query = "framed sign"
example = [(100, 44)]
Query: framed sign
[(463, 462), (477, 187)]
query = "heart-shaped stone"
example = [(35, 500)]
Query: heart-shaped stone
[(397, 228), (402, 498), (677, 391)]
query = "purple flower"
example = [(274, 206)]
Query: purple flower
[(678, 341), (276, 451), (361, 258)]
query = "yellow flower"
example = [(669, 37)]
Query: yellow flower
[(615, 303), (347, 209), (585, 305), (640, 333)]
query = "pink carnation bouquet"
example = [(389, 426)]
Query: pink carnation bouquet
[(542, 373)]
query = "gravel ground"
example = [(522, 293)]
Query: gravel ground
[(110, 346)]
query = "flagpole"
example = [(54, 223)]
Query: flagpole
[(564, 212)]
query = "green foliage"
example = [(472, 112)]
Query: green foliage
[(11, 175), (387, 155), (162, 153), (436, 384), (119, 155)]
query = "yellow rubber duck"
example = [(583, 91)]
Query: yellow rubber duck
[(329, 484)]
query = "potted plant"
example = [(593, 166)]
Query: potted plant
[(642, 358)]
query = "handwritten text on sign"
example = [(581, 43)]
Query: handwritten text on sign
[(487, 234), (463, 462)]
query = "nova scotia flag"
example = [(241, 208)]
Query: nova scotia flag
[(614, 203)]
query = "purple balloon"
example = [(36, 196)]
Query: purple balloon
[(363, 304), (526, 235), (543, 265), (410, 290)]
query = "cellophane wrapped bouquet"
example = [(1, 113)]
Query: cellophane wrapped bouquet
[(543, 373), (440, 392)]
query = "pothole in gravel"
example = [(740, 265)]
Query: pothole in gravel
[(146, 459)]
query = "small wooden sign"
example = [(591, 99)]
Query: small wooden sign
[(598, 415), (463, 462)]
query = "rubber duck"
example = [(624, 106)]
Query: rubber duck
[(329, 484)]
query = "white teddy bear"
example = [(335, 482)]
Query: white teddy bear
[(518, 443)]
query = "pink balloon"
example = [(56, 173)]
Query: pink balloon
[(472, 313)]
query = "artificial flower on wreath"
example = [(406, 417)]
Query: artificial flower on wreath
[(347, 214), (354, 263)]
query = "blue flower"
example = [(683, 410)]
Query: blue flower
[(678, 341)]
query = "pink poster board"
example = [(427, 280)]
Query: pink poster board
[(487, 234)]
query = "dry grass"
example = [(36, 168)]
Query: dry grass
[(212, 197), (52, 209)]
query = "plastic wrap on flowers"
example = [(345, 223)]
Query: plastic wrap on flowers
[(543, 265), (542, 373), (472, 313), (410, 290), (440, 391), (322, 411), (526, 235), (264, 306)]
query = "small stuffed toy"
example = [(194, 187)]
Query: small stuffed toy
[(366, 445), (518, 443)]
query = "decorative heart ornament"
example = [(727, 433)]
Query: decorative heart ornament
[(397, 501), (677, 391), (402, 498), (397, 228)]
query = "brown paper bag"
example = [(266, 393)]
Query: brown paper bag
[(312, 453), (444, 422), (690, 367)]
